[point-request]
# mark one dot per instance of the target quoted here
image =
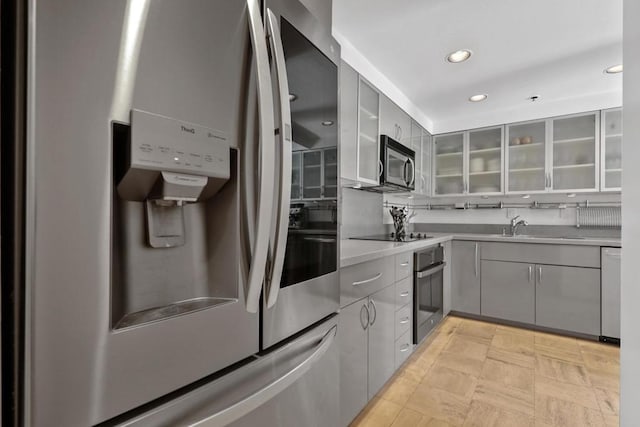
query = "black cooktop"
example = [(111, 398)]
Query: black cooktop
[(391, 237)]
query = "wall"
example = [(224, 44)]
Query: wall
[(630, 350), (361, 214), (358, 62), (566, 216)]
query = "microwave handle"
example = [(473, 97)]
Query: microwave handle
[(413, 171)]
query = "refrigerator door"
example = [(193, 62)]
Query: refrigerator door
[(88, 264), (295, 385), (307, 57)]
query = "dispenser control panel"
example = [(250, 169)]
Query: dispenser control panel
[(165, 144)]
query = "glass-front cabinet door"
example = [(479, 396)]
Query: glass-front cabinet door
[(329, 163), (296, 175), (368, 130), (449, 164), (526, 157), (485, 161), (416, 146), (575, 154), (311, 174), (611, 150), (425, 163)]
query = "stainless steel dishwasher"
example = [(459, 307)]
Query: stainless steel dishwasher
[(427, 282), (610, 264)]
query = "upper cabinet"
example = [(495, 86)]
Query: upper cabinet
[(421, 144), (485, 162), (359, 143), (368, 134), (526, 170), (469, 162), (394, 122), (611, 150), (314, 174), (575, 155), (426, 163), (556, 155), (449, 164)]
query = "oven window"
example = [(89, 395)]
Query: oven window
[(313, 86)]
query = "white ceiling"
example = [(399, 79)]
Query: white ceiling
[(556, 49)]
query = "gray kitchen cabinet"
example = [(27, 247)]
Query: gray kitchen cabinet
[(465, 277), (353, 341), (348, 122), (568, 298), (610, 278), (508, 291), (382, 309), (394, 122)]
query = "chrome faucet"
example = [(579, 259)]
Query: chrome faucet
[(515, 224)]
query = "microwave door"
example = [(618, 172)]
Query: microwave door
[(396, 165)]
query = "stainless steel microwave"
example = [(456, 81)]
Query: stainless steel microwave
[(398, 165)]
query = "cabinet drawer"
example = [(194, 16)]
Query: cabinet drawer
[(404, 265), (403, 320), (404, 347), (533, 253), (404, 292), (360, 280)]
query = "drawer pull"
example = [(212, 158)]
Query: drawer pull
[(404, 294), (404, 348), (405, 264), (405, 320), (362, 282)]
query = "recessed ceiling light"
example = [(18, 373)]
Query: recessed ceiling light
[(614, 69), (459, 56), (292, 97), (478, 98), (327, 123)]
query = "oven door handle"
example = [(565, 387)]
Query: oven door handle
[(430, 271)]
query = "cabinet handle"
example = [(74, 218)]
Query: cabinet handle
[(405, 320), (364, 324), (375, 312), (362, 282), (404, 264), (404, 348), (539, 274), (476, 263), (530, 273), (404, 294)]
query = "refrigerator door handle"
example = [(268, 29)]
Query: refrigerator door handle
[(282, 224), (275, 387), (264, 212)]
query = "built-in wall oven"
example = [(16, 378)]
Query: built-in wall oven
[(427, 281)]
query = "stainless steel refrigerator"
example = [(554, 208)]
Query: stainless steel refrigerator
[(180, 260)]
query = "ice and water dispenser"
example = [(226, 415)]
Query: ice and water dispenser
[(175, 219)]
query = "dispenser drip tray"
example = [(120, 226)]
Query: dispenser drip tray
[(165, 224), (175, 309)]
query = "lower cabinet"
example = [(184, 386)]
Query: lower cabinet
[(354, 371), (553, 296), (366, 335), (508, 291), (465, 277), (568, 298), (382, 338)]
